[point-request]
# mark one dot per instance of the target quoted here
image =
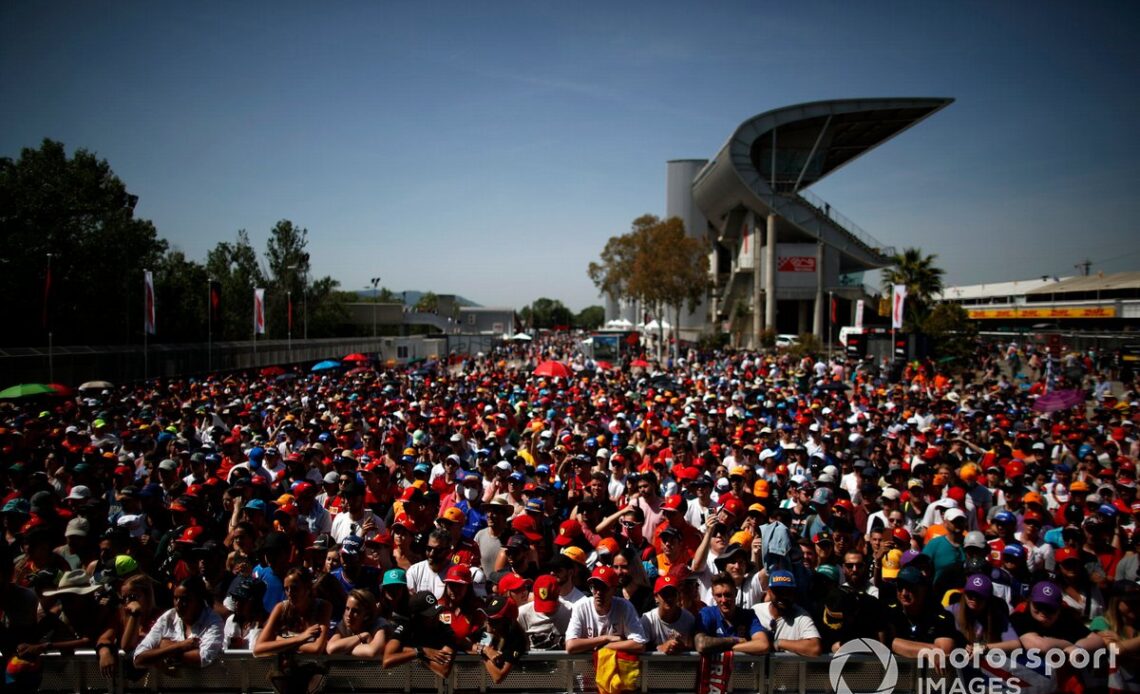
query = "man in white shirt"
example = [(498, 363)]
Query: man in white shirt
[(604, 621), (669, 627), (356, 520), (190, 633), (429, 573), (546, 617), (791, 627)]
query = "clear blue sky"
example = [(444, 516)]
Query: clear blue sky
[(491, 149)]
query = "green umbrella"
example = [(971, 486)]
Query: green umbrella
[(26, 389)]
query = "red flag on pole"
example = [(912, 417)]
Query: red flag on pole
[(259, 311), (215, 301), (148, 307), (834, 310)]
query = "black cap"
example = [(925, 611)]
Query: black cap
[(424, 604)]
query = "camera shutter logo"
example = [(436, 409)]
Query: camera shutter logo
[(863, 647)]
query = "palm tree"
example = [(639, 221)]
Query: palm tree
[(923, 282)]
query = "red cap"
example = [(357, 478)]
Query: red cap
[(528, 526), (546, 594), (190, 535), (606, 575), (457, 573), (733, 506), (1033, 515), (1064, 554), (568, 532), (1014, 469), (957, 494), (512, 581), (402, 520), (901, 534), (666, 581), (845, 504), (289, 508), (194, 490), (673, 502), (303, 488)]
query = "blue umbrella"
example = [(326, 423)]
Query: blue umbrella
[(326, 365)]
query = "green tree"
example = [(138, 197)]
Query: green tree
[(590, 318), (80, 212), (656, 265), (953, 336), (428, 303), (549, 313), (235, 266), (923, 280), (288, 267), (181, 288)]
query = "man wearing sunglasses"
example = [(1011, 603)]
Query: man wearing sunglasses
[(915, 622)]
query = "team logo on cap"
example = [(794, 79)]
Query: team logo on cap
[(1047, 591), (543, 593), (430, 599), (780, 579)]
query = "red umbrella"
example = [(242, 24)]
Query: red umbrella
[(356, 357), (639, 364), (61, 389), (271, 371), (604, 365), (360, 370), (552, 369)]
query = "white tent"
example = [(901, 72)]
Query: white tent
[(522, 337), (654, 325), (619, 323)]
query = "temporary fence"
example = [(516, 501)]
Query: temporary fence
[(544, 672)]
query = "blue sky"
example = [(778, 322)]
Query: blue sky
[(491, 149)]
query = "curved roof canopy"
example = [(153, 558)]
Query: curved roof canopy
[(788, 149)]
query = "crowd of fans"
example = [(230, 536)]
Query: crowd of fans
[(756, 503)]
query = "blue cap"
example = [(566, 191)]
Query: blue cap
[(911, 575), (781, 579), (17, 506), (1014, 551), (351, 545), (470, 475), (535, 505), (1107, 510), (150, 491), (1004, 517), (542, 470), (255, 505), (256, 453), (422, 467), (1061, 467), (517, 477)]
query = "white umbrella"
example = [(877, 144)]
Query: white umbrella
[(522, 337)]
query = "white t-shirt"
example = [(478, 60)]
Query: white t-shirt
[(545, 631), (571, 598), (622, 620), (421, 577), (230, 630), (342, 525), (659, 631), (795, 625)]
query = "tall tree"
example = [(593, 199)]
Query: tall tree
[(80, 212), (287, 262), (235, 266), (181, 297), (655, 265), (549, 313), (590, 318), (923, 280)]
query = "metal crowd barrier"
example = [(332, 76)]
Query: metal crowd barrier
[(545, 672)]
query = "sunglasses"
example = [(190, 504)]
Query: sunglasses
[(852, 565)]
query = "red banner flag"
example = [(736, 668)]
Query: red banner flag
[(259, 311), (834, 310)]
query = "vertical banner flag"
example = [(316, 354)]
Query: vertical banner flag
[(834, 310), (259, 311), (215, 301), (148, 301), (898, 299), (859, 313), (290, 326)]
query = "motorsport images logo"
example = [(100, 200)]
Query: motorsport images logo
[(864, 647)]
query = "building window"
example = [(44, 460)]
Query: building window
[(401, 351)]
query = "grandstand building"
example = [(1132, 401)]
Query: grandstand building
[(778, 252)]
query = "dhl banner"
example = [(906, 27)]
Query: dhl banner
[(1007, 313)]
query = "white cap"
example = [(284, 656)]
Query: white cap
[(503, 465), (890, 493), (79, 493), (603, 453), (954, 514)]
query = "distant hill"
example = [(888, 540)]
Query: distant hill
[(413, 297)]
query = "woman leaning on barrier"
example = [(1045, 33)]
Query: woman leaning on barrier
[(360, 633), (135, 617), (298, 626), (190, 633), (1120, 629)]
